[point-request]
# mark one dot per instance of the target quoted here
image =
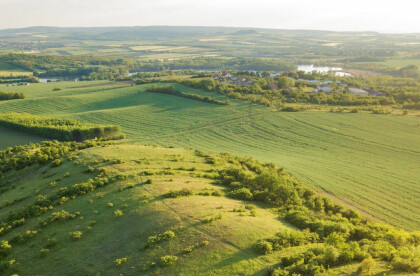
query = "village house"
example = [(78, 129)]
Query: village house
[(323, 88), (358, 91), (273, 86), (226, 75), (373, 92)]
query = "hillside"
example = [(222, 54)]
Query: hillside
[(343, 155), (166, 211)]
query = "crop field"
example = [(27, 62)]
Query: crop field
[(344, 155), (400, 62), (157, 48)]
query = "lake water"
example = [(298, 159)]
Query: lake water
[(55, 79), (43, 80), (322, 69)]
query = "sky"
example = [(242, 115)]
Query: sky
[(387, 16)]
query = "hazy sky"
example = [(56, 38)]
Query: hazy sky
[(350, 15)]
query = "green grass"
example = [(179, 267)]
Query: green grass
[(146, 212), (10, 138), (401, 62), (368, 161)]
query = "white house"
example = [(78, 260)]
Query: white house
[(357, 91)]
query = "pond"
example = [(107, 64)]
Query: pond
[(322, 69)]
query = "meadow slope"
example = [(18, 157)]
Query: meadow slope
[(364, 160)]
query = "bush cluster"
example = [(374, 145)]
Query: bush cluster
[(168, 260), (285, 239), (152, 240), (179, 193), (11, 96)]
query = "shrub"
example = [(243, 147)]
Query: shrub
[(212, 218), (264, 247), (335, 239), (56, 162), (76, 235), (110, 204), (5, 248), (407, 259), (167, 235), (242, 193), (179, 193), (366, 266), (44, 252), (119, 262), (118, 213), (204, 243), (331, 255), (168, 260), (152, 240), (61, 215), (51, 243), (24, 237), (217, 193), (290, 109), (189, 249)]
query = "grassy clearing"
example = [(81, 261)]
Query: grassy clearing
[(365, 160)]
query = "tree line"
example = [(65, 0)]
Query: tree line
[(57, 128), (170, 90)]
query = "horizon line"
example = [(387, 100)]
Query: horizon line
[(211, 26)]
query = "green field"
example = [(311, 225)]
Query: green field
[(145, 213), (10, 138), (401, 62), (368, 161)]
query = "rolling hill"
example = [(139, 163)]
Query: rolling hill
[(129, 209), (342, 155)]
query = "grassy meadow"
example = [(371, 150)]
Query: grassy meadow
[(132, 209), (343, 155), (145, 212)]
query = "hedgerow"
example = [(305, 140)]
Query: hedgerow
[(57, 128), (170, 90), (179, 193), (4, 96)]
